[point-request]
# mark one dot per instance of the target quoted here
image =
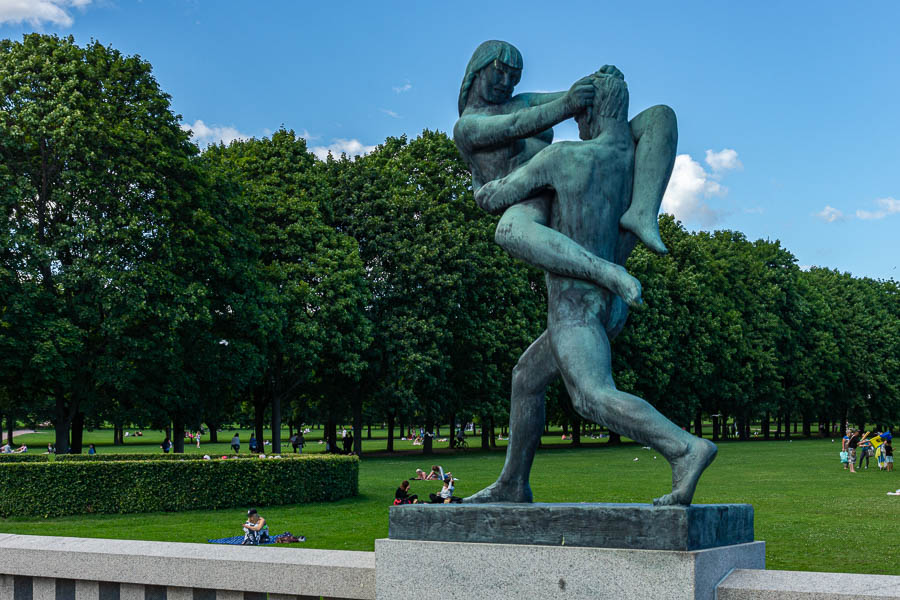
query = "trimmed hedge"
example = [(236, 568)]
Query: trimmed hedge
[(78, 487), (121, 457), (17, 458)]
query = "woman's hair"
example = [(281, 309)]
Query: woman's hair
[(435, 468), (484, 55), (405, 484)]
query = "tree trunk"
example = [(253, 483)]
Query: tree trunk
[(614, 438), (493, 436), (715, 428), (390, 433), (428, 442), (331, 435), (276, 424), (698, 423), (787, 425), (807, 426), (565, 428), (485, 434), (357, 424), (369, 430), (402, 430), (77, 433), (10, 428), (452, 431), (765, 425), (178, 434), (213, 432), (62, 424), (259, 415), (576, 432)]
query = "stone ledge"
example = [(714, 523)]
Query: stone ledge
[(292, 571), (599, 525), (753, 584)]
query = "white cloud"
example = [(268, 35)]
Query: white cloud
[(830, 214), (351, 148), (36, 12), (400, 89), (203, 134), (724, 160), (689, 187), (389, 113), (888, 206), (306, 135)]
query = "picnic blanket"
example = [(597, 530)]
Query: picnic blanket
[(238, 540)]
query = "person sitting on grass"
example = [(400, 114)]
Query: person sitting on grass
[(402, 495), (420, 474), (445, 496), (256, 531)]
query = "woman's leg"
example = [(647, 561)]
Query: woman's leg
[(655, 133), (523, 232)]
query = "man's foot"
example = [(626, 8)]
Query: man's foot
[(502, 492), (647, 232), (686, 471)]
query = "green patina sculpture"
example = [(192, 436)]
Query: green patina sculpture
[(575, 210)]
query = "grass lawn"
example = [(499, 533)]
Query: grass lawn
[(813, 515)]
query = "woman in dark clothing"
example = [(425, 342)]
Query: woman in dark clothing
[(854, 442), (402, 495)]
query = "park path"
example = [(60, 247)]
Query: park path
[(17, 432)]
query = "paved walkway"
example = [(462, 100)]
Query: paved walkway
[(16, 433)]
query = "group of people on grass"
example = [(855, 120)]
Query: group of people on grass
[(7, 449), (445, 496), (859, 446)]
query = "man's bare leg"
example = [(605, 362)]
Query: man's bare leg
[(581, 348), (655, 133), (531, 376)]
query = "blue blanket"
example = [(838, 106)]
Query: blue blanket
[(237, 540)]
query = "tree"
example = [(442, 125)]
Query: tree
[(99, 189), (305, 317)]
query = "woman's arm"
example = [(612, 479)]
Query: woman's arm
[(482, 132)]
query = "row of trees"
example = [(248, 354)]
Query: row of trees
[(142, 281)]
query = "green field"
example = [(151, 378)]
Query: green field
[(813, 515)]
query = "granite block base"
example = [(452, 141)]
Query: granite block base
[(478, 571), (605, 525)]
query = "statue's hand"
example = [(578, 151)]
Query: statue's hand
[(611, 70), (580, 95)]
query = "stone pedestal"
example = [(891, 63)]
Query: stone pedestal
[(595, 525), (576, 551), (470, 571)]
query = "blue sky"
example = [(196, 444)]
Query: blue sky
[(789, 119)]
